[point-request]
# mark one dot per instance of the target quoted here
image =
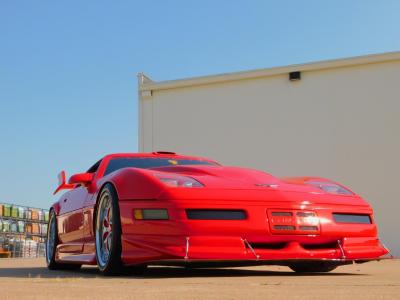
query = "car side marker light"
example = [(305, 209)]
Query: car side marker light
[(150, 214)]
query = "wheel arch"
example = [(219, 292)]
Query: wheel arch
[(129, 184), (56, 208), (97, 201)]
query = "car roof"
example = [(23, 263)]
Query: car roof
[(157, 154)]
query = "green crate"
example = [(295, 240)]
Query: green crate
[(7, 210), (6, 226), (21, 226), (14, 211), (14, 227), (21, 212), (46, 216)]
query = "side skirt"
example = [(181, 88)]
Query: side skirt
[(87, 259), (238, 263)]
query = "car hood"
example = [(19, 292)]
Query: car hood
[(241, 180), (223, 177)]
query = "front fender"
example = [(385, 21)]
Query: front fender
[(134, 184), (303, 181)]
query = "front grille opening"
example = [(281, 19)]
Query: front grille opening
[(284, 227), (309, 228), (305, 214), (352, 218), (270, 246), (281, 214), (215, 214), (330, 245)]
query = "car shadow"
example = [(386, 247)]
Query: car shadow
[(155, 273)]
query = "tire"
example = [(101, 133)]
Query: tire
[(108, 232), (313, 267), (51, 246)]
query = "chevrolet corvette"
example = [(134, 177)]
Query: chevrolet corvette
[(129, 211)]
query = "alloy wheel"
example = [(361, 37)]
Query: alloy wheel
[(51, 239), (104, 230)]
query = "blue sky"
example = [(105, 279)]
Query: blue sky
[(68, 89)]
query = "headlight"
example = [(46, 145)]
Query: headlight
[(330, 187), (178, 181)]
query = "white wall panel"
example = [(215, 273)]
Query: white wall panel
[(339, 123)]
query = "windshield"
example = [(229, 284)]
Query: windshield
[(151, 162)]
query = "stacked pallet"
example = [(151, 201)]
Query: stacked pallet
[(22, 230)]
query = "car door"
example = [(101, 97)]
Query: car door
[(88, 210), (70, 220)]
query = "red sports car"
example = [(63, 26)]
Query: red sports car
[(133, 210)]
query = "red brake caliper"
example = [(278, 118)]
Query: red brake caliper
[(107, 226)]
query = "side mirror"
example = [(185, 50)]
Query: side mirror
[(61, 178), (81, 178)]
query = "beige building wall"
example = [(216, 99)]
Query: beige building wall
[(340, 121)]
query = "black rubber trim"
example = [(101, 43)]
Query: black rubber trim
[(352, 218), (216, 214)]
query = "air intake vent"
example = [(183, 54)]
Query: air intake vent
[(309, 228), (281, 214), (215, 214), (305, 214), (352, 218), (284, 227)]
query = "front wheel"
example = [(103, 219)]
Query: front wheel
[(313, 267), (108, 232)]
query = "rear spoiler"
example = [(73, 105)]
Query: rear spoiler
[(62, 184)]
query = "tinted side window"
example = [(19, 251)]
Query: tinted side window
[(94, 168)]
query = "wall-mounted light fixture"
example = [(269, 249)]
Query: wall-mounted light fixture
[(294, 76)]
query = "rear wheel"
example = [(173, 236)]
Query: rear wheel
[(108, 232), (51, 246), (313, 267)]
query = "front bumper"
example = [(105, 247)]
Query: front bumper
[(219, 248), (251, 241)]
